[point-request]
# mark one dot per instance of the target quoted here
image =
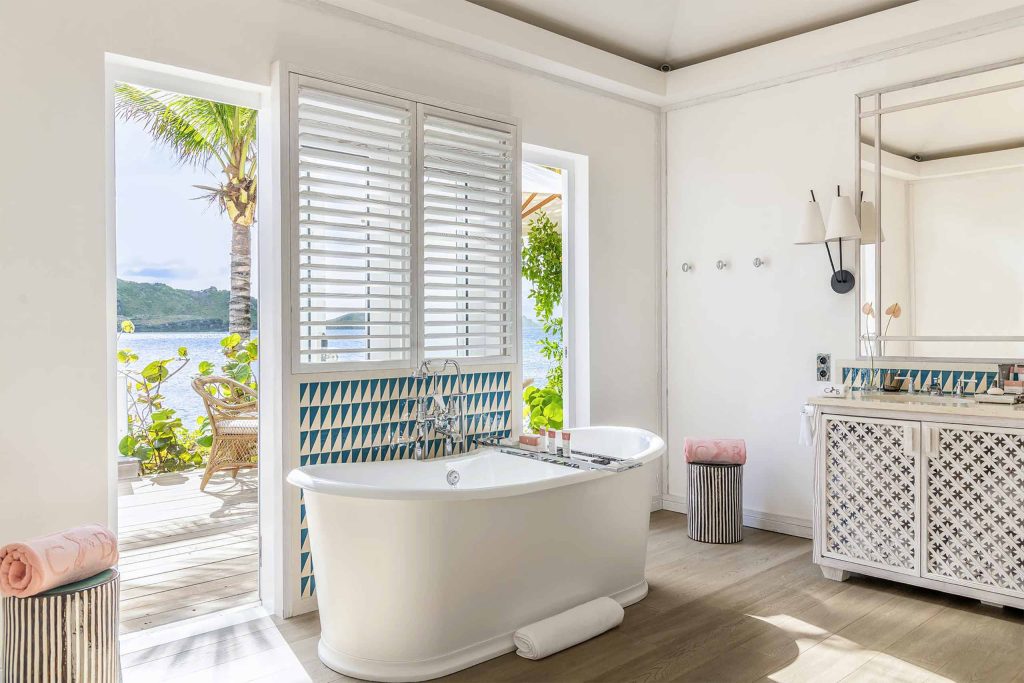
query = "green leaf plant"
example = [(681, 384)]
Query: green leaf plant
[(542, 267), (542, 408), (156, 434)]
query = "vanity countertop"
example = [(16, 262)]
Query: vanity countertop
[(921, 403)]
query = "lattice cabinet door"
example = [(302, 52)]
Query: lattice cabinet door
[(974, 506), (870, 492)]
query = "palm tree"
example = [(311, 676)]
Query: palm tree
[(200, 132)]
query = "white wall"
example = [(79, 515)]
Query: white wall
[(742, 341), (968, 247), (897, 266), (54, 356)]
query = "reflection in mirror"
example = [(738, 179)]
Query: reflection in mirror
[(943, 259)]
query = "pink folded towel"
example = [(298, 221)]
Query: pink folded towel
[(49, 561), (715, 451)]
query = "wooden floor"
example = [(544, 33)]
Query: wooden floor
[(186, 552), (755, 611)]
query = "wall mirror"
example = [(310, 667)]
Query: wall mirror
[(941, 170)]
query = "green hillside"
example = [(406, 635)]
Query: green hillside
[(156, 307)]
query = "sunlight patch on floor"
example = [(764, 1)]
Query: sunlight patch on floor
[(180, 652), (805, 635), (830, 657)]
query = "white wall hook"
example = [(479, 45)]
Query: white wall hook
[(758, 262), (721, 265), (687, 267)]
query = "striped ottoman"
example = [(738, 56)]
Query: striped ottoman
[(715, 496), (65, 635)]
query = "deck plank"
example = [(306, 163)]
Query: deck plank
[(186, 552)]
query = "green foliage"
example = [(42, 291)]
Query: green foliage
[(156, 307), (200, 132), (240, 354), (542, 266), (542, 408), (156, 434), (553, 349)]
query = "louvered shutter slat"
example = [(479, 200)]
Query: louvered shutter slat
[(355, 206), (468, 247)]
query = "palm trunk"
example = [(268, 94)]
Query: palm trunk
[(240, 304)]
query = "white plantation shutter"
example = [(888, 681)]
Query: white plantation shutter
[(355, 226), (406, 231), (469, 218)]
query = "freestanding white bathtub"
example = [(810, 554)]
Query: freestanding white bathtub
[(417, 578)]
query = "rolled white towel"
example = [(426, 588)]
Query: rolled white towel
[(569, 628)]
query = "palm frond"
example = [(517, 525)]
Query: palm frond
[(198, 131), (173, 120)]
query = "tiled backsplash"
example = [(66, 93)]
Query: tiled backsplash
[(860, 375), (367, 420)]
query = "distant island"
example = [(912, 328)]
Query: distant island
[(156, 307)]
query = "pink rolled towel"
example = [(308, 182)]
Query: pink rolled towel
[(46, 562), (715, 451)]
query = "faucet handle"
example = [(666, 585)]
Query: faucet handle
[(961, 385)]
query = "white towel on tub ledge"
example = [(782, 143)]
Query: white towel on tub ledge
[(569, 628)]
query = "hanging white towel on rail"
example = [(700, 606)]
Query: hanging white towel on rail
[(806, 425)]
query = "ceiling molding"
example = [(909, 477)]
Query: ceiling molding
[(873, 38), (481, 32), (488, 35)]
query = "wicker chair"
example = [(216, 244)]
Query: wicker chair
[(232, 409)]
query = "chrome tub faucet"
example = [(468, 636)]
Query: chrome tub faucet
[(445, 416)]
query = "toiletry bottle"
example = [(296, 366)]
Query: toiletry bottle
[(566, 447), (543, 434), (552, 442)]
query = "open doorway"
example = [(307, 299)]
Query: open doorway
[(187, 359), (555, 318)]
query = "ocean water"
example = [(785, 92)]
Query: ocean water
[(178, 393)]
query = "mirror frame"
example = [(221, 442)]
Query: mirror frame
[(867, 105)]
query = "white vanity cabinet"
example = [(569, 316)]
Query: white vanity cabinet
[(973, 514), (921, 496), (869, 492)]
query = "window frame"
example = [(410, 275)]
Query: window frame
[(416, 105)]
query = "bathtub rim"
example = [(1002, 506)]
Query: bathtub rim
[(306, 478), (448, 663)]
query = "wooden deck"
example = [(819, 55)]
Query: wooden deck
[(186, 552)]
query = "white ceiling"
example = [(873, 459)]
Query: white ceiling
[(682, 32), (985, 122)]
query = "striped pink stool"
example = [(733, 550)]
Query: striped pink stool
[(715, 496)]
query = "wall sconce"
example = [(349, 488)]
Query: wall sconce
[(869, 233), (842, 224)]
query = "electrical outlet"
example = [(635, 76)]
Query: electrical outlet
[(823, 367)]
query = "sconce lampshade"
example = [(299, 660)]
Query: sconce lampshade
[(812, 227), (842, 221), (869, 224)]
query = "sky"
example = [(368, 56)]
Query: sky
[(163, 233)]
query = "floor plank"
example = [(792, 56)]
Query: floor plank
[(754, 611), (186, 552)]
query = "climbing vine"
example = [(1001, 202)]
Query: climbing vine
[(542, 266)]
